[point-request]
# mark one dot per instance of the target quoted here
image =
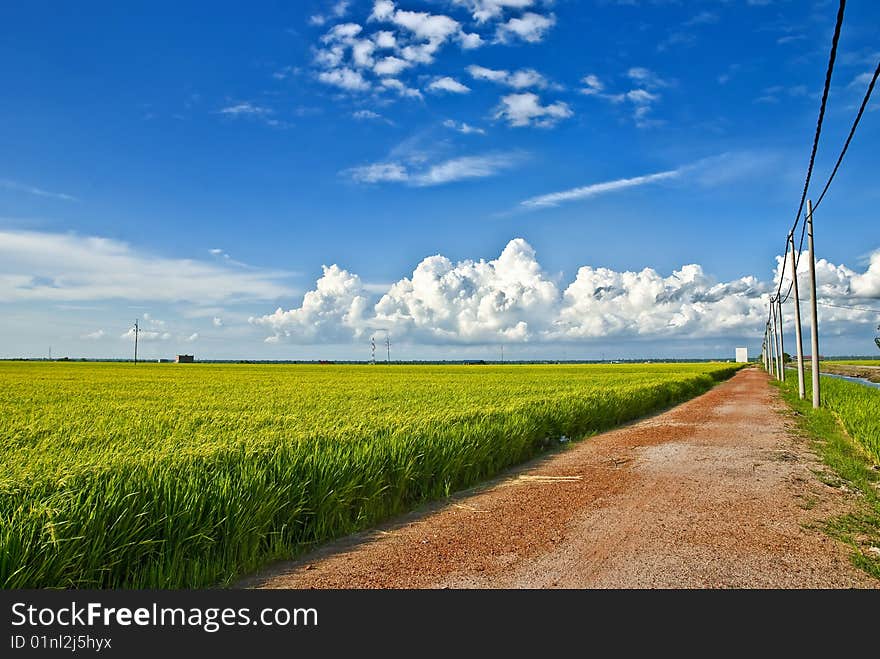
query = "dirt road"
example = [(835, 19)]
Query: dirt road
[(714, 493)]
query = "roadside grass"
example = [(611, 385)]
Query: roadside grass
[(853, 467)]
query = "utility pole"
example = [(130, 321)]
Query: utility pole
[(388, 345), (814, 313), (773, 359), (774, 339), (781, 343), (797, 320), (50, 353), (502, 353), (136, 331)]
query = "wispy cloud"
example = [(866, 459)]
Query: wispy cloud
[(427, 174), (596, 189), (31, 189), (44, 266), (722, 169), (463, 127)]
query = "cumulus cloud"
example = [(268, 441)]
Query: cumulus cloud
[(526, 109), (402, 90), (512, 299), (529, 27), (447, 84), (94, 336), (344, 78), (522, 79), (485, 10), (333, 310), (42, 266), (391, 66)]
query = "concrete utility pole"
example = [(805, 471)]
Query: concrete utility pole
[(781, 343), (136, 331), (772, 329), (778, 364), (797, 321), (814, 312)]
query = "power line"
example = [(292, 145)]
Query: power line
[(831, 59), (841, 306), (852, 132), (843, 151)]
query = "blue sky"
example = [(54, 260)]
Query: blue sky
[(470, 172)]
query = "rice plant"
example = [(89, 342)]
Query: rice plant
[(165, 476)]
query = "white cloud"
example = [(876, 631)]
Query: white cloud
[(343, 32), (146, 335), (485, 10), (344, 78), (425, 26), (94, 336), (462, 127), (380, 172), (391, 66), (646, 78), (723, 169), (362, 52), (470, 40), (37, 266), (482, 73), (447, 84), (383, 10), (512, 299), (466, 167), (426, 174), (367, 115), (244, 108), (400, 88), (385, 39), (593, 85), (526, 109), (333, 310), (30, 189), (640, 101), (862, 80), (192, 338), (217, 321), (529, 27), (522, 79), (338, 10), (595, 189)]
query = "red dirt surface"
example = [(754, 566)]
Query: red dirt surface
[(717, 492)]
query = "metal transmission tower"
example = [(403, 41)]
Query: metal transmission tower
[(136, 332), (388, 345), (372, 349)]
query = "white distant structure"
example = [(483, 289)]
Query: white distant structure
[(742, 355)]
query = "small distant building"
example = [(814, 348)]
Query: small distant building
[(742, 355), (184, 359)]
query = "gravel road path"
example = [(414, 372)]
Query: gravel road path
[(717, 492)]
